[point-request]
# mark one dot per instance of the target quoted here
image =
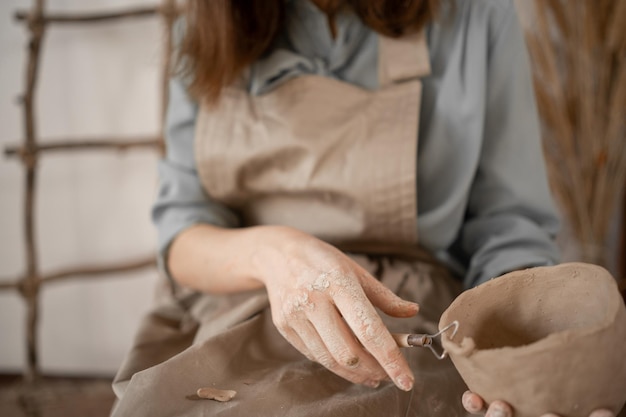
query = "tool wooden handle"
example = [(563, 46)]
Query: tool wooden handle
[(411, 340)]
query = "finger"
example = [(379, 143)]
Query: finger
[(385, 299), (284, 326), (550, 415), (341, 343), (499, 409), (316, 346), (365, 323), (473, 403), (294, 339), (602, 413)]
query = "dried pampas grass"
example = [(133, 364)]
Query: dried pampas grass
[(577, 51)]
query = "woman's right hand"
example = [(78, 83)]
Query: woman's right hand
[(323, 303)]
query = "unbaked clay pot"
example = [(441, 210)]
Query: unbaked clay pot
[(547, 339)]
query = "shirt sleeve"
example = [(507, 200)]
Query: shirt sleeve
[(181, 201), (511, 220)]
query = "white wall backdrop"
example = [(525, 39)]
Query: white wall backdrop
[(96, 80)]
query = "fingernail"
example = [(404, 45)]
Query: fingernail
[(372, 383), (496, 411), (404, 382), (467, 402), (411, 304), (602, 413), (470, 403)]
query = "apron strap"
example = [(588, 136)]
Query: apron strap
[(401, 59)]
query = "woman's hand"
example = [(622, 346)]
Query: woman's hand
[(323, 303), (474, 404)]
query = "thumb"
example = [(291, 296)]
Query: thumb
[(385, 299)]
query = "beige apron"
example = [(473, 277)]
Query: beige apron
[(338, 162), (322, 155)]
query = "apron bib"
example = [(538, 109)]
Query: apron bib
[(321, 155), (338, 162)]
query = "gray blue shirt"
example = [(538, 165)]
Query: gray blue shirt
[(484, 206)]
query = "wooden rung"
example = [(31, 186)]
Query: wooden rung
[(78, 18), (94, 271), (85, 271), (85, 145), (9, 285)]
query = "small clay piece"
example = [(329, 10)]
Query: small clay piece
[(547, 339), (220, 395)]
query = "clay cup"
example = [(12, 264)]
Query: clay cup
[(546, 339)]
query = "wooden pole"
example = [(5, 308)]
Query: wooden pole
[(621, 250), (30, 287)]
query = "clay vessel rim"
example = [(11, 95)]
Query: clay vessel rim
[(467, 346)]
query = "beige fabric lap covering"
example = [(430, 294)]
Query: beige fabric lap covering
[(230, 342)]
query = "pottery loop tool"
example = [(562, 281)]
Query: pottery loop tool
[(425, 340)]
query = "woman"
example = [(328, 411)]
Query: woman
[(311, 146)]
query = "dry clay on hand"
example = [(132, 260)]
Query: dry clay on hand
[(546, 339)]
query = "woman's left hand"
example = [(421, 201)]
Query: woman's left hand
[(474, 404)]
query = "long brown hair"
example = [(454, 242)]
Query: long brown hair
[(223, 37)]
